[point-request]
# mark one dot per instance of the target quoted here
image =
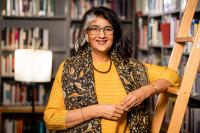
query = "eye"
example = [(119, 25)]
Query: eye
[(94, 28), (108, 28)]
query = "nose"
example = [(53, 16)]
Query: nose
[(102, 33)]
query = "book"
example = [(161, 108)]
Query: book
[(165, 29)]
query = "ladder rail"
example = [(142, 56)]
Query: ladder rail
[(159, 113), (174, 62), (182, 32), (186, 86)]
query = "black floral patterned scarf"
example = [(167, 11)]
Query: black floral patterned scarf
[(78, 89)]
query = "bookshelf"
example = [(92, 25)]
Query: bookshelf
[(157, 25), (61, 19), (19, 25)]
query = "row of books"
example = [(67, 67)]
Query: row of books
[(162, 33), (7, 65), (122, 7), (28, 7), (191, 119), (158, 7), (21, 94), (14, 37), (23, 126)]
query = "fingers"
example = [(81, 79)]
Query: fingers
[(117, 114), (125, 100), (131, 100), (128, 101), (119, 108), (113, 112)]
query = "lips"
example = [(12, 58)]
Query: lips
[(101, 41)]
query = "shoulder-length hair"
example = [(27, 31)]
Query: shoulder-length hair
[(121, 44)]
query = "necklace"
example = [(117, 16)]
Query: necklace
[(103, 71)]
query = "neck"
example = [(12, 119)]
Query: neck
[(100, 58)]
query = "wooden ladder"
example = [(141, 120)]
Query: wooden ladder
[(183, 93)]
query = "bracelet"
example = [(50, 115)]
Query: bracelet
[(155, 87), (82, 115)]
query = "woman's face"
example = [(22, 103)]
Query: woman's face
[(100, 35)]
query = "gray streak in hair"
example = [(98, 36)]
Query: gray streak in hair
[(82, 38)]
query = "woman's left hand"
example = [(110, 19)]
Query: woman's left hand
[(136, 97)]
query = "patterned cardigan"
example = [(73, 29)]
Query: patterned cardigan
[(79, 91)]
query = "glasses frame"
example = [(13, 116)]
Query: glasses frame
[(98, 30)]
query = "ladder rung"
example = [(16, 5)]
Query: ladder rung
[(184, 39), (173, 90)]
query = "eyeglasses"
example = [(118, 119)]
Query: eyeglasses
[(95, 30)]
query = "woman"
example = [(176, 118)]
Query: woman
[(101, 88)]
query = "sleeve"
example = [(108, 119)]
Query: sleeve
[(55, 112), (155, 72)]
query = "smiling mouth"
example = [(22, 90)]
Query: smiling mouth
[(102, 41)]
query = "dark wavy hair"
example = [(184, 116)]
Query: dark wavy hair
[(121, 44)]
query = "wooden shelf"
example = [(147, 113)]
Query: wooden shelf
[(171, 12), (197, 98), (10, 50), (7, 76), (186, 53), (168, 46), (142, 15), (198, 10), (21, 109), (143, 49), (155, 46), (35, 17), (13, 50), (155, 15)]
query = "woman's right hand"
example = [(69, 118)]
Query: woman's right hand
[(107, 111), (111, 112)]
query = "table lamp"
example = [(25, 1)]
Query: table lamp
[(31, 67)]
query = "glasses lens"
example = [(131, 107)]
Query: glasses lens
[(96, 30), (108, 30)]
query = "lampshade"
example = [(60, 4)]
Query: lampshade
[(33, 65)]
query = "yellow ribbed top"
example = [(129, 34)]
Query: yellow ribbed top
[(109, 90)]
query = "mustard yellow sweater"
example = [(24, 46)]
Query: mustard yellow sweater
[(109, 90)]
